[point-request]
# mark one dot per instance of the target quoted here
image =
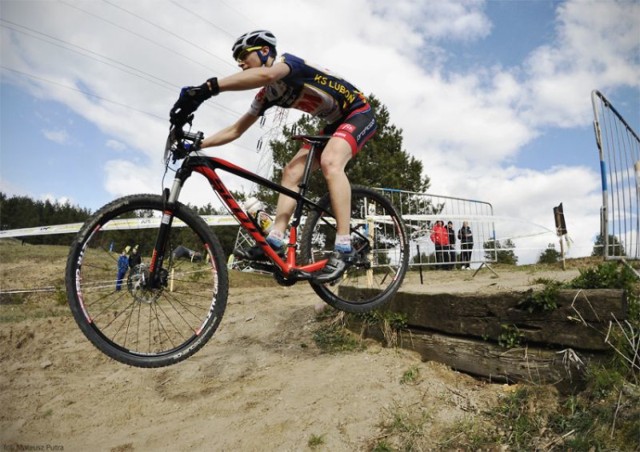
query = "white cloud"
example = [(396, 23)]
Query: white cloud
[(57, 136), (116, 145), (466, 127), (52, 199), (451, 20), (597, 47)]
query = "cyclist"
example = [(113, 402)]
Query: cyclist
[(291, 82)]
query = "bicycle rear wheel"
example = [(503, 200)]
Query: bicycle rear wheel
[(379, 236), (118, 311)]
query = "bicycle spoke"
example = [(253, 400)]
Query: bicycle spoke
[(124, 313), (379, 240)]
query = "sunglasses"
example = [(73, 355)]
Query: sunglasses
[(245, 53)]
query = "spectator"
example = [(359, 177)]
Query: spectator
[(123, 266), (440, 239), (134, 258), (466, 244), (452, 245)]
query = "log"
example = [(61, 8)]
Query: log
[(580, 320), (562, 368)]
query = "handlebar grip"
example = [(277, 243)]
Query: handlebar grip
[(192, 136)]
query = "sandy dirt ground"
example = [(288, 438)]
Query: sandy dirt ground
[(260, 384)]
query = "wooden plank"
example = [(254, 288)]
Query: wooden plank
[(564, 369), (580, 320)]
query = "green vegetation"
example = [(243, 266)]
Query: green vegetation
[(403, 428), (603, 416), (389, 323), (542, 300), (411, 376), (502, 253), (332, 336), (315, 441), (510, 336), (550, 255), (23, 212)]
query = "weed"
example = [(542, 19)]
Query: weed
[(390, 323), (623, 337), (334, 337), (510, 336), (411, 376), (315, 441), (382, 446), (60, 296), (543, 300), (403, 429)]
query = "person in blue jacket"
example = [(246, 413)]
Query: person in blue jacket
[(123, 266)]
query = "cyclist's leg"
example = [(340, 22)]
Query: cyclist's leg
[(291, 177), (347, 139), (333, 161)]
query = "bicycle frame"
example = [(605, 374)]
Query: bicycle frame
[(208, 167)]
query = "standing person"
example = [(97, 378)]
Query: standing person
[(134, 258), (123, 266), (291, 82), (452, 245), (440, 239), (466, 244)]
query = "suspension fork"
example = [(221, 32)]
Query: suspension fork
[(169, 201)]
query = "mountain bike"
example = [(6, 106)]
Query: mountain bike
[(170, 304)]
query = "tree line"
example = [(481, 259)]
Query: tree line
[(23, 212)]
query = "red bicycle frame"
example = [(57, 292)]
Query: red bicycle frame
[(208, 167)]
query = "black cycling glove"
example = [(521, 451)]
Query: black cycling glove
[(190, 99)]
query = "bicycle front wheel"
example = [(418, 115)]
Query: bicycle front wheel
[(108, 286), (379, 237)]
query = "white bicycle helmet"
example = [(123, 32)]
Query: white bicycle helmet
[(253, 39)]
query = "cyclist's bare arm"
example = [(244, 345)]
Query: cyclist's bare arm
[(254, 77), (228, 134), (247, 79)]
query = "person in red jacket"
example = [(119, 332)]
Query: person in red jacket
[(440, 238)]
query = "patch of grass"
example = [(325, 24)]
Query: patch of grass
[(608, 275), (390, 323), (411, 376), (334, 337), (541, 300), (315, 441), (60, 296), (239, 279), (403, 428), (12, 299), (382, 446), (510, 336)]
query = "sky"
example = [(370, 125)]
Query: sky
[(493, 96)]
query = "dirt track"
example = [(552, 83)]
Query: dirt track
[(260, 384)]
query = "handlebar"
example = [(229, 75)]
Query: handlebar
[(181, 142)]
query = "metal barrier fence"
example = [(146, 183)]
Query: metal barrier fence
[(619, 149), (421, 213)]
